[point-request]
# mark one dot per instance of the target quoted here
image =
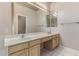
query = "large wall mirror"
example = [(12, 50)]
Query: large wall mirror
[(27, 18), (30, 19), (51, 21)]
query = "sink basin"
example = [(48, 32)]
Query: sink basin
[(23, 36), (26, 38)]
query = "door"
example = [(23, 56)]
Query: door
[(34, 51)]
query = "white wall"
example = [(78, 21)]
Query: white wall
[(31, 18), (69, 12), (5, 18)]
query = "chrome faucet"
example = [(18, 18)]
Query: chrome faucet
[(22, 35), (49, 32)]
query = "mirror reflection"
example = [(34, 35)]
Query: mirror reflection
[(21, 24), (51, 21)]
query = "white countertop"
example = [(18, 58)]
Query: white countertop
[(10, 41)]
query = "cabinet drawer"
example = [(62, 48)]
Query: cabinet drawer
[(46, 39), (14, 48), (20, 53), (31, 43), (56, 36)]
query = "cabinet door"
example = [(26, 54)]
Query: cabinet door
[(55, 42), (20, 53), (34, 51)]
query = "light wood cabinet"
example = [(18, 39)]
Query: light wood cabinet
[(31, 48), (20, 53), (53, 43), (34, 47), (34, 42), (34, 51), (56, 40), (17, 47), (45, 39)]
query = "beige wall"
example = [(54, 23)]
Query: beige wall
[(5, 24), (5, 18)]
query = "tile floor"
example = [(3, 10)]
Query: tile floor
[(63, 51)]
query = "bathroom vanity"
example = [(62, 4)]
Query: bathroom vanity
[(33, 46), (30, 18)]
